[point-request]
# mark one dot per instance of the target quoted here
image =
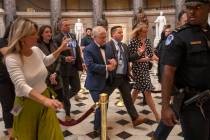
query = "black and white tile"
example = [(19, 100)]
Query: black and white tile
[(117, 118)]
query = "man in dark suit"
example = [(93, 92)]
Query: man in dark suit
[(70, 65), (100, 63), (121, 76)]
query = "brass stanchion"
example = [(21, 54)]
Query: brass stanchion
[(103, 108)]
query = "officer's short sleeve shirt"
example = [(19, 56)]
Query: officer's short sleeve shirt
[(174, 52)]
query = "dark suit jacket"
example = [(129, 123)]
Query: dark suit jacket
[(129, 58), (69, 69), (96, 68)]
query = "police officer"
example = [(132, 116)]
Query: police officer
[(187, 66)]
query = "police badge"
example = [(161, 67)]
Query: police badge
[(169, 39)]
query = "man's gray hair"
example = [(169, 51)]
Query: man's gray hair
[(98, 30), (61, 21)]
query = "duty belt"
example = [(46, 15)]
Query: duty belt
[(199, 99)]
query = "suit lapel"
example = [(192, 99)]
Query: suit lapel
[(99, 55), (113, 48), (107, 52), (125, 51), (61, 38)]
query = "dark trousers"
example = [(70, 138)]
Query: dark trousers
[(97, 121), (7, 97), (71, 86), (122, 83), (194, 126), (162, 131), (60, 94)]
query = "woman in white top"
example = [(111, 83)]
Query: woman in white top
[(34, 110)]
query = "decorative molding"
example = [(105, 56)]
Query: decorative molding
[(90, 14)]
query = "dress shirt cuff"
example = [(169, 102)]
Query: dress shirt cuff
[(26, 90), (106, 72)]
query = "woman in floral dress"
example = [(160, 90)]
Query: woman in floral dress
[(140, 68)]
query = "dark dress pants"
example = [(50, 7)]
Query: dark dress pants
[(97, 121), (122, 83), (71, 86), (74, 81), (60, 94), (162, 131), (194, 125), (66, 95), (7, 97)]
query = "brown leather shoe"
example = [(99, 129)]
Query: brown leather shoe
[(139, 120), (109, 128)]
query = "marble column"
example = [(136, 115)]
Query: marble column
[(55, 6), (209, 19), (10, 10), (179, 7), (97, 10), (2, 24), (136, 5)]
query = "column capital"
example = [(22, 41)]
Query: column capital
[(136, 5)]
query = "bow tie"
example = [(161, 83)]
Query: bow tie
[(102, 47)]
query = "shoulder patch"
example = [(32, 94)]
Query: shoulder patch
[(169, 39)]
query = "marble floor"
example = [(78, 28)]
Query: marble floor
[(117, 118)]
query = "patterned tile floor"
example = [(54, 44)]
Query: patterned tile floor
[(117, 118)]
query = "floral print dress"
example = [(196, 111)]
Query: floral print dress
[(140, 70)]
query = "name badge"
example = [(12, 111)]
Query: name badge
[(16, 110), (195, 42), (120, 62)]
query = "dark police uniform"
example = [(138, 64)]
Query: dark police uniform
[(188, 50)]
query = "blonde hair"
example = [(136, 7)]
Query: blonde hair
[(137, 29), (20, 28)]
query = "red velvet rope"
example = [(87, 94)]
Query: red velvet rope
[(80, 119)]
